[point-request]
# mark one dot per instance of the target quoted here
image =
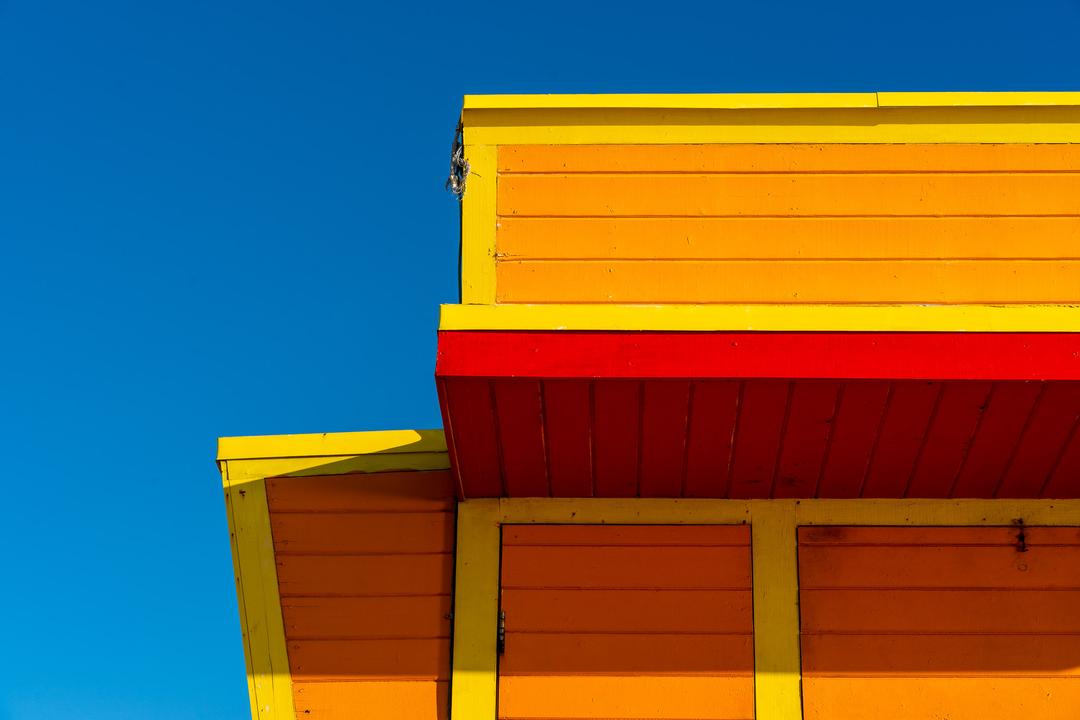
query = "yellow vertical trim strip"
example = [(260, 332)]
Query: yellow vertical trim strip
[(269, 682), (474, 684), (777, 664), (478, 222)]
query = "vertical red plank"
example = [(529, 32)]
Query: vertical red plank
[(616, 417), (757, 437), (714, 405), (472, 423), (521, 436), (663, 437), (962, 405), (1043, 441), (995, 439), (1064, 482), (901, 438), (858, 420), (451, 451), (568, 431), (810, 422)]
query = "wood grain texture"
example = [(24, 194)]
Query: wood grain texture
[(758, 415), (339, 700), (901, 698), (364, 570), (606, 621), (795, 281), (802, 223), (808, 158), (894, 616)]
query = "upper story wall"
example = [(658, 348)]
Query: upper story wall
[(866, 198)]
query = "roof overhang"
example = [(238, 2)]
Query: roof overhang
[(749, 414)]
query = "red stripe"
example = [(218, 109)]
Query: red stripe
[(927, 356)]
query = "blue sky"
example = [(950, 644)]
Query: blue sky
[(223, 218)]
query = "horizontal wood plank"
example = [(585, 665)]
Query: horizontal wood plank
[(626, 567), (350, 660), (945, 655), (940, 611), (787, 238), (640, 654), (905, 698), (629, 698), (797, 281), (363, 492), (938, 536), (402, 700), (931, 567), (327, 618), (784, 158), (343, 533), (627, 535), (369, 575), (786, 195), (628, 611)]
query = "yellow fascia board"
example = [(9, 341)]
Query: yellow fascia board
[(757, 101), (764, 318), (263, 456), (978, 99), (690, 101), (330, 444)]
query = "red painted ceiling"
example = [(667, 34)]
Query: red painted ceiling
[(712, 415)]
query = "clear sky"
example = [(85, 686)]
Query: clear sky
[(226, 218)]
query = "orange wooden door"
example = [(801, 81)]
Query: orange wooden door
[(932, 623), (627, 622)]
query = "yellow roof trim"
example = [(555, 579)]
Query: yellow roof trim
[(978, 99), (764, 318), (721, 101), (726, 101), (331, 444)]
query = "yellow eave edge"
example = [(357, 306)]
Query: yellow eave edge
[(734, 101), (764, 318), (256, 447)]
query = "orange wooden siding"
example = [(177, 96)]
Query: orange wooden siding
[(788, 223), (627, 622), (930, 623), (364, 568)]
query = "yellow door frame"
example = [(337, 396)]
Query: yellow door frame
[(774, 543)]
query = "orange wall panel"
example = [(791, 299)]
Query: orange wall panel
[(364, 572), (925, 623), (788, 223), (628, 622)]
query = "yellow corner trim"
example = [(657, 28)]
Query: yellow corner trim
[(794, 318), (727, 101), (478, 223), (265, 651), (330, 444)]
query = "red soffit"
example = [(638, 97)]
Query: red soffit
[(759, 415)]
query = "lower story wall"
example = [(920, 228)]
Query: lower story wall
[(364, 565), (961, 623)]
